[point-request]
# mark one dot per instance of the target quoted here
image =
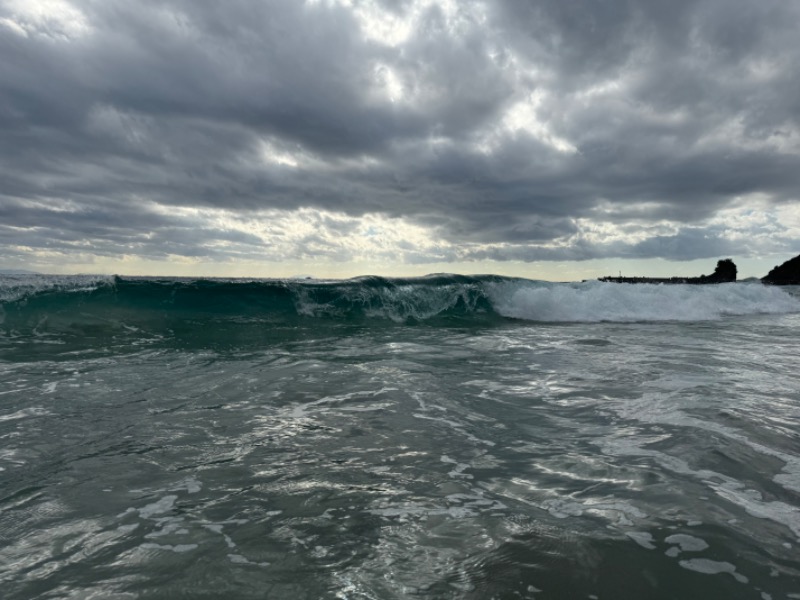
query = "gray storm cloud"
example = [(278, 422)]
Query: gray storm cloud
[(501, 127)]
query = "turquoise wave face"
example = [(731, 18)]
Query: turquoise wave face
[(230, 312)]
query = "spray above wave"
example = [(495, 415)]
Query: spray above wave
[(96, 305)]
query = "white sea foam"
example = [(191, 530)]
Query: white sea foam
[(33, 411), (241, 560), (179, 548), (620, 512), (598, 301), (712, 567), (644, 539), (156, 508), (684, 543)]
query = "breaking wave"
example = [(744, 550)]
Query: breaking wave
[(594, 301), (87, 305)]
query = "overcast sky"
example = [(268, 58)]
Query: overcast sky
[(557, 139)]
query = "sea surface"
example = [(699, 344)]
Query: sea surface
[(439, 437)]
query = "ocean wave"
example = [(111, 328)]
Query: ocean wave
[(88, 304)]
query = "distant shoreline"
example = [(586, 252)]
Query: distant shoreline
[(725, 272), (666, 280), (786, 274)]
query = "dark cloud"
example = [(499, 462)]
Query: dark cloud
[(503, 127)]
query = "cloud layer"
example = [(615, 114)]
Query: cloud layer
[(413, 131)]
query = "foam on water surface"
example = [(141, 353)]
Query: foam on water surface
[(712, 567), (598, 301)]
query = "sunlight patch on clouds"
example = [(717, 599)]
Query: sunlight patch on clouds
[(753, 220), (388, 84), (56, 19), (47, 203), (606, 88), (382, 26), (271, 153), (748, 211), (393, 29), (607, 232), (311, 234), (522, 118), (640, 213), (789, 216), (753, 224)]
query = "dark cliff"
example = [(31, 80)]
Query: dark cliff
[(786, 274)]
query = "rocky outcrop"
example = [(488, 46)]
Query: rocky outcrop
[(786, 274), (725, 272)]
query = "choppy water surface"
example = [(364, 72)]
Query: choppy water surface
[(169, 449)]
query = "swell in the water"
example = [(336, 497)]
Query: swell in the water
[(40, 304)]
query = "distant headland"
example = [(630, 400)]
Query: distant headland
[(724, 273), (786, 274)]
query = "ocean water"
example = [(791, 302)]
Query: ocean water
[(441, 437)]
